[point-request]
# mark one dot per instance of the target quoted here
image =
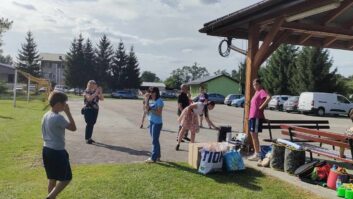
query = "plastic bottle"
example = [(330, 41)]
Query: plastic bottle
[(338, 183)]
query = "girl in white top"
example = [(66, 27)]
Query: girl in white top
[(189, 119)]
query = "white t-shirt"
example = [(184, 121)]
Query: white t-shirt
[(53, 130), (199, 109)]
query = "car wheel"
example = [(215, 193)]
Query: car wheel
[(321, 112), (242, 105), (280, 108)]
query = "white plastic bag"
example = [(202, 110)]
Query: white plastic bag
[(212, 158)]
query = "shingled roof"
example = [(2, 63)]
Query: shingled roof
[(207, 79)]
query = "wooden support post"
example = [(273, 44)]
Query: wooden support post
[(251, 72)]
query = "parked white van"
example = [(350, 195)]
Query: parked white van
[(324, 103)]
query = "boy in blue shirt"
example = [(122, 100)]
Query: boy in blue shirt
[(55, 157)]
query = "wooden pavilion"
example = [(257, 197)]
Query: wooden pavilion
[(319, 23)]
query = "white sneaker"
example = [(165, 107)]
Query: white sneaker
[(149, 160), (255, 157)]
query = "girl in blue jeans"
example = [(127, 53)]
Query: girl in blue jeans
[(154, 106)]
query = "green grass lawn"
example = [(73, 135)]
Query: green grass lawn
[(22, 175)]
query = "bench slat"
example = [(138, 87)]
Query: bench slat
[(316, 139), (297, 121), (323, 150), (278, 126), (335, 136)]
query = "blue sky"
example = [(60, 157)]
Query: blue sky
[(164, 32)]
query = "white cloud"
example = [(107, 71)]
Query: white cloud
[(164, 32)]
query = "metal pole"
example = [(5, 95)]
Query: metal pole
[(56, 73), (29, 83), (14, 89)]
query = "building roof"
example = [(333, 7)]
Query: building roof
[(324, 23), (7, 66), (207, 79), (153, 84), (51, 57)]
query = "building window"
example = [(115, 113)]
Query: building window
[(10, 78)]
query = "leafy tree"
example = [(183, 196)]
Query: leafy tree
[(75, 63), (6, 59), (279, 70), (196, 71), (313, 72), (132, 77), (104, 54), (240, 75), (148, 76), (118, 66), (185, 74), (5, 25), (28, 57)]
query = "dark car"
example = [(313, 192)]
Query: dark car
[(228, 100), (291, 104), (168, 94), (124, 94), (215, 97)]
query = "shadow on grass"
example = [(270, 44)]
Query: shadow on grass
[(5, 117), (123, 149), (247, 178)]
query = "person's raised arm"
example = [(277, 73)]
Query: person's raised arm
[(72, 125), (89, 97), (100, 95)]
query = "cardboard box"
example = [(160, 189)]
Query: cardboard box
[(194, 154)]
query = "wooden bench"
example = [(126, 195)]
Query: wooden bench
[(334, 139), (310, 124)]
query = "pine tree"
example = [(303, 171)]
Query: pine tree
[(313, 72), (28, 57), (89, 62), (132, 71), (118, 67), (75, 64), (104, 53), (279, 70)]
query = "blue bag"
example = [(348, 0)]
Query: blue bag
[(233, 161)]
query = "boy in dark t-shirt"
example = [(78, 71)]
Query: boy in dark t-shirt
[(183, 102)]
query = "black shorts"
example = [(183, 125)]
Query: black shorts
[(57, 164), (255, 125)]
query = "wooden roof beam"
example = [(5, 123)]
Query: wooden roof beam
[(268, 40), (275, 44), (304, 38), (348, 24), (332, 15), (318, 30), (328, 41)]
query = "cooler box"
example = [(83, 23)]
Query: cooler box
[(222, 133)]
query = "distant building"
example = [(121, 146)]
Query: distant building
[(159, 85), (7, 75), (221, 84), (52, 66)]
